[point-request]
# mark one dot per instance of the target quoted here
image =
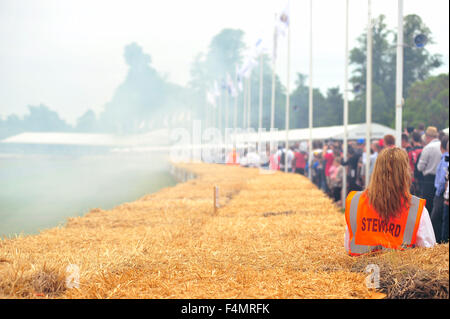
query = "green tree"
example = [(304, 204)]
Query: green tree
[(381, 70), (145, 96), (87, 122), (327, 110), (42, 119), (383, 76), (333, 113), (280, 98), (418, 63), (223, 55), (428, 102)]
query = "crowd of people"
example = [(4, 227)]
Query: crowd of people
[(427, 151)]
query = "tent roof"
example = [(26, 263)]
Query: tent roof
[(355, 131), (87, 139)]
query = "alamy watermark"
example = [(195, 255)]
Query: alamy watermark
[(229, 145), (72, 276), (373, 279)]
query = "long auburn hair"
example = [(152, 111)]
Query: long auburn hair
[(388, 190)]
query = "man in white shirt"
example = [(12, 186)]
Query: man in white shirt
[(290, 157), (428, 163)]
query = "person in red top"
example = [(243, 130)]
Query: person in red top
[(328, 156), (413, 155), (300, 161)]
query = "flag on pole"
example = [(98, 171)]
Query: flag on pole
[(248, 65), (283, 20), (239, 79), (230, 86), (223, 84), (259, 48)]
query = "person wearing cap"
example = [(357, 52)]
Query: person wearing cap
[(428, 163), (385, 215)]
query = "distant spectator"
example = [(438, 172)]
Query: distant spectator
[(283, 153), (328, 158), (440, 183), (352, 163), (265, 160), (389, 140), (300, 162), (360, 146), (232, 157), (336, 177), (428, 163), (441, 135), (243, 160), (445, 214), (414, 155), (274, 163), (421, 129), (318, 170), (405, 143), (374, 150), (381, 143)]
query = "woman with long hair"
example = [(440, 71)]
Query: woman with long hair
[(386, 215)]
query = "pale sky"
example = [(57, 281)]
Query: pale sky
[(68, 55)]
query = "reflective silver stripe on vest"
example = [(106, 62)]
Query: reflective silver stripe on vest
[(354, 248), (407, 235), (411, 222)]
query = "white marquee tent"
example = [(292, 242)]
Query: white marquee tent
[(88, 139), (355, 132)]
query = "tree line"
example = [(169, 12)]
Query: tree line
[(146, 100)]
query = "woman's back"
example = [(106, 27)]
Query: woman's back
[(385, 215)]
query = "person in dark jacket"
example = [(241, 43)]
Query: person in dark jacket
[(352, 176)]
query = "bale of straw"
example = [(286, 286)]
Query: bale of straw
[(274, 236)]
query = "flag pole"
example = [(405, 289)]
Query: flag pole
[(287, 96), (272, 106), (345, 146), (310, 90), (249, 101), (368, 93), (244, 115), (399, 80), (227, 105), (235, 104), (220, 113), (260, 98)]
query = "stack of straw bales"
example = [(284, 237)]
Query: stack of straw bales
[(274, 236)]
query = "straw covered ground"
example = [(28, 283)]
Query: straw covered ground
[(275, 236)]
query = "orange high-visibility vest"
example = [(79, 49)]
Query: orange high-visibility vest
[(232, 158), (369, 232)]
